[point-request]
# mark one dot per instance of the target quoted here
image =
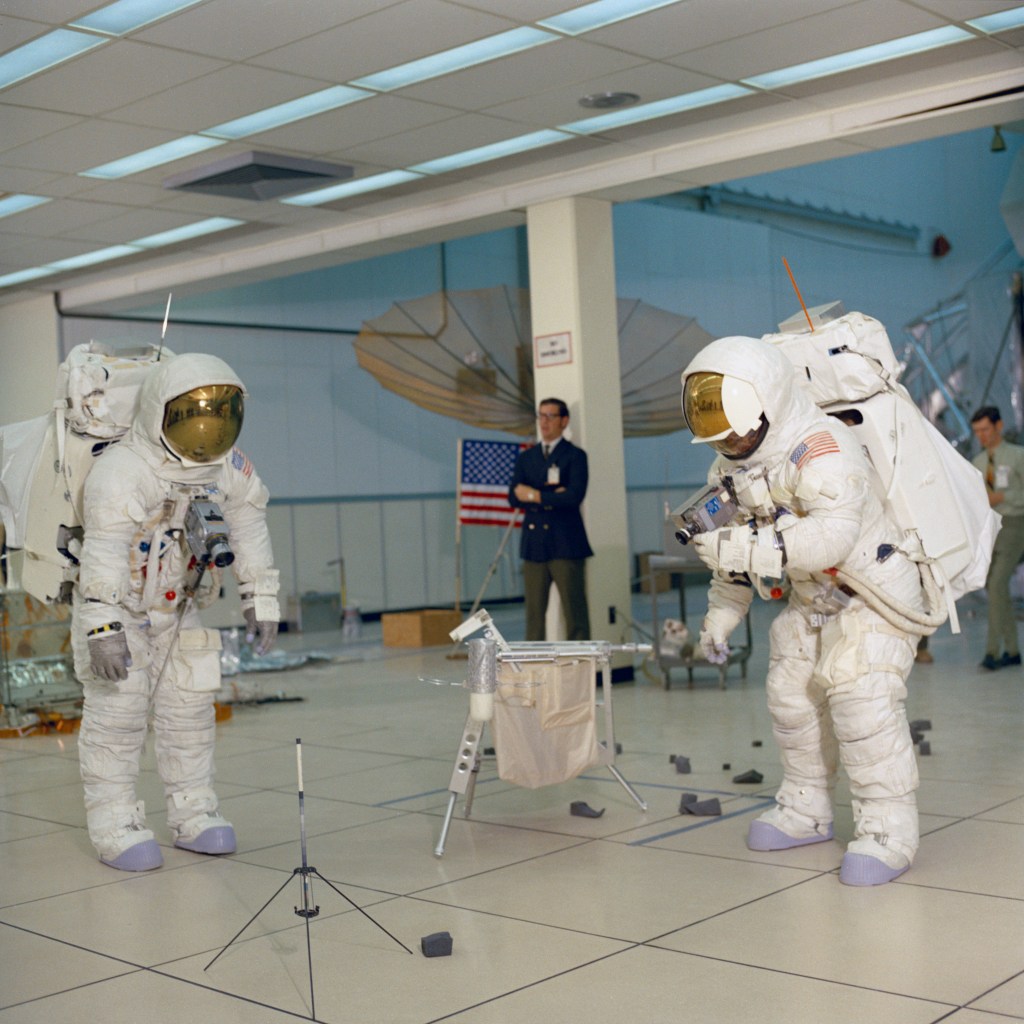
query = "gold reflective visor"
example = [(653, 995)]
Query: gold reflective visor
[(203, 424), (702, 405)]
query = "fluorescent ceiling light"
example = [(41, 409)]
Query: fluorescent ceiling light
[(285, 113), (113, 252), (46, 52), (86, 259), (351, 188), (660, 108), (125, 15), (18, 276), (174, 150), (495, 151), (601, 13), (18, 202), (998, 22), (459, 57), (199, 228), (863, 57)]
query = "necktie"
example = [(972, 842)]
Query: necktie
[(547, 451), (990, 473)]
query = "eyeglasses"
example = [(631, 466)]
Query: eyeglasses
[(550, 416)]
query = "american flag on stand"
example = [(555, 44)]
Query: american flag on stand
[(485, 471)]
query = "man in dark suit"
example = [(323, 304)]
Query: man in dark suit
[(549, 484)]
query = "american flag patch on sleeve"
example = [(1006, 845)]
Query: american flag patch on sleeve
[(822, 443), (241, 462)]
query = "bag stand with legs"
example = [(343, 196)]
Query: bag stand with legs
[(540, 700)]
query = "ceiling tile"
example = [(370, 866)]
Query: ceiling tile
[(821, 35), (220, 96), (455, 135), (699, 23), (21, 125), (522, 74), (240, 29), (83, 145), (336, 130), (522, 10), (15, 31), (55, 12), (63, 217), (99, 80), (651, 81), (372, 44), (128, 225)]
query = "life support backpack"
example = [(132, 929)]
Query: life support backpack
[(934, 495), (44, 462)]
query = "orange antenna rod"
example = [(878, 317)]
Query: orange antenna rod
[(792, 281)]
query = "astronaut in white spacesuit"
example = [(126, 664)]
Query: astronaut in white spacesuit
[(140, 649), (839, 659)]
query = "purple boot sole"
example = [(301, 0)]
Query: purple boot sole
[(860, 869), (140, 857), (763, 837), (214, 841)]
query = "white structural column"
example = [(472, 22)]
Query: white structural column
[(576, 358), (29, 357)]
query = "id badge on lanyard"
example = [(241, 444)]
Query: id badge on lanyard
[(553, 475)]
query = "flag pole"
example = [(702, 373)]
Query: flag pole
[(458, 525)]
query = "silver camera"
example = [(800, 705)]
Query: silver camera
[(711, 507), (206, 533)]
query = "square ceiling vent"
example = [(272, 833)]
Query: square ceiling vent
[(258, 176)]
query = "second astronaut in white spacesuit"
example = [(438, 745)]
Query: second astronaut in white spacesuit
[(140, 649), (837, 667)]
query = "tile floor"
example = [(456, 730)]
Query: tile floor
[(630, 918)]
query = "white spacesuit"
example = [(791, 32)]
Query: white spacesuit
[(139, 646), (838, 667)]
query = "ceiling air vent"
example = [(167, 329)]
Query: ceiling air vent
[(258, 176)]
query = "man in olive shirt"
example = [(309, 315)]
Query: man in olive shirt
[(1002, 465)]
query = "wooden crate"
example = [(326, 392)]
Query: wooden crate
[(428, 627)]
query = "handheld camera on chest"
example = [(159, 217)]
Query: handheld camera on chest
[(709, 509), (206, 533)]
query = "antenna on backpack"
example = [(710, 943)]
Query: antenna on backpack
[(167, 313), (792, 281)]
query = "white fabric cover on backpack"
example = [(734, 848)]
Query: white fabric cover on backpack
[(848, 369)]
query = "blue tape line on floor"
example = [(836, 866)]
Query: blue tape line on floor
[(701, 824), (429, 792)]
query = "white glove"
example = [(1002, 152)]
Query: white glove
[(264, 632), (109, 657), (740, 549), (715, 632)]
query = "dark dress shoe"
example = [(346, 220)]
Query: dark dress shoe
[(1009, 659), (989, 662)]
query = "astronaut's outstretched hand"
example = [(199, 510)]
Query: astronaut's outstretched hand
[(718, 625), (715, 651), (263, 632), (740, 549), (109, 657)]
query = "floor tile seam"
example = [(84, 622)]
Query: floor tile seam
[(135, 967), (989, 991), (743, 905), (34, 817), (502, 867), (703, 823), (532, 984), (238, 859), (909, 881), (438, 812), (225, 993), (652, 944)]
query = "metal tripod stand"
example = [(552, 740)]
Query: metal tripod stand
[(308, 909)]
